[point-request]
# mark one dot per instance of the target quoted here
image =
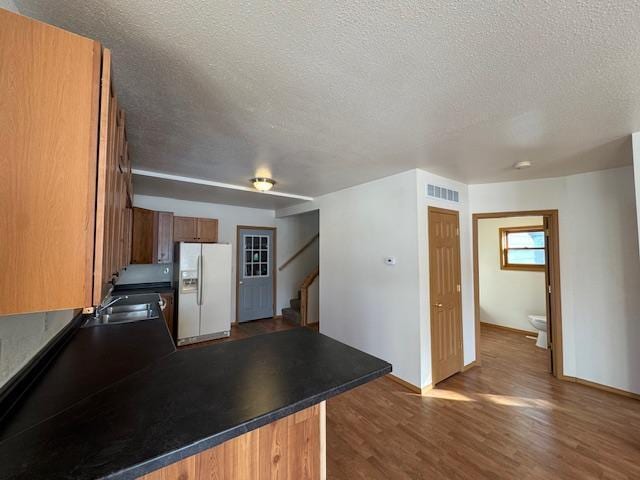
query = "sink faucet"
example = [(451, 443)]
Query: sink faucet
[(111, 301)]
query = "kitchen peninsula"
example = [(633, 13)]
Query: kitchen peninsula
[(252, 408)]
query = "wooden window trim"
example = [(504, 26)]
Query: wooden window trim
[(504, 265)]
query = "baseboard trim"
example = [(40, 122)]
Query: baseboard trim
[(600, 386), (508, 329), (410, 386), (469, 366)]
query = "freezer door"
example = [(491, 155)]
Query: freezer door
[(189, 253), (215, 310), (188, 315), (188, 293)]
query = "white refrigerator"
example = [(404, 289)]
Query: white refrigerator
[(203, 272)]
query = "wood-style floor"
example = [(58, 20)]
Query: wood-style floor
[(250, 329), (508, 419)]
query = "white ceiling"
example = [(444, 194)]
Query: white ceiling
[(323, 95)]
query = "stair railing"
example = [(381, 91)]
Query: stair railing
[(302, 249), (304, 294)]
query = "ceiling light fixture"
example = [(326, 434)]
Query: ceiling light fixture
[(263, 184), (523, 164)]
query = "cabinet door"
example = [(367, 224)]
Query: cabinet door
[(142, 238), (207, 230), (185, 229), (168, 311), (49, 110), (165, 237)]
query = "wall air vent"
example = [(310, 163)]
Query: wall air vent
[(443, 193)]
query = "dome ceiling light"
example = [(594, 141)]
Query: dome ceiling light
[(263, 184)]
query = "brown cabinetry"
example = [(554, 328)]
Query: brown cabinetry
[(113, 215), (185, 229), (65, 186), (152, 239), (168, 312), (207, 230), (192, 229)]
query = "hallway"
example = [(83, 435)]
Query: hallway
[(507, 419)]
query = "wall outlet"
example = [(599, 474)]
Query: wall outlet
[(390, 260)]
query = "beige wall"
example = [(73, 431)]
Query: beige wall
[(22, 336), (506, 296)]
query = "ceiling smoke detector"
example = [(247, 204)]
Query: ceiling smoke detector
[(263, 184), (522, 165)]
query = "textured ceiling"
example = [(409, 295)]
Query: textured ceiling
[(323, 94)]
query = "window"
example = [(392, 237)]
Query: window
[(256, 256), (522, 248)]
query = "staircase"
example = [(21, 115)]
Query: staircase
[(292, 314), (297, 311)]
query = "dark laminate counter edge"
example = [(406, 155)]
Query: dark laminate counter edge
[(258, 380), (214, 440), (38, 396)]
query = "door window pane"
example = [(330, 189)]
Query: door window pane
[(256, 256)]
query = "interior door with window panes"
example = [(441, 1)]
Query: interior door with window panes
[(255, 274)]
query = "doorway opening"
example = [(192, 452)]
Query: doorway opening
[(516, 269)]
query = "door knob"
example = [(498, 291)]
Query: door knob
[(241, 282), (439, 305)]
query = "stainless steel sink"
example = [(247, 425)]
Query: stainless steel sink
[(126, 309), (123, 317)]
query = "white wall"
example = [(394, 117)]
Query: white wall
[(507, 296), (635, 140), (468, 323), (229, 217), (8, 5), (599, 268), (293, 232), (363, 302)]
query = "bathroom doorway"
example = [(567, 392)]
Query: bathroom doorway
[(524, 257)]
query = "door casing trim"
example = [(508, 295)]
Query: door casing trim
[(554, 279), (273, 265)]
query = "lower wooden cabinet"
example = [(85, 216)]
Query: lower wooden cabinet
[(152, 237), (292, 448), (169, 312)]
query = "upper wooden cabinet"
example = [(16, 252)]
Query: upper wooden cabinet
[(207, 230), (192, 229), (185, 229), (152, 240), (113, 215), (63, 194), (165, 238)]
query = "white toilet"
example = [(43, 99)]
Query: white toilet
[(539, 322)]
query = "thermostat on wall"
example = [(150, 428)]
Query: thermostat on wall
[(390, 260)]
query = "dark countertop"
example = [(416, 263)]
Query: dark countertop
[(176, 405), (94, 359)]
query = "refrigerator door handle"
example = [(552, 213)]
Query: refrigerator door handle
[(200, 286), (199, 291)]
